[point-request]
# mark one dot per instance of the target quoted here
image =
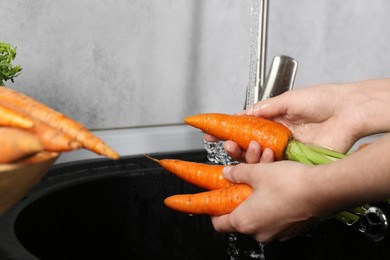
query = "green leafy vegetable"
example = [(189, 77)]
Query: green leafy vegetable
[(313, 155), (7, 70)]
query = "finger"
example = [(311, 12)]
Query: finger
[(209, 138), (271, 107), (240, 173), (240, 113), (267, 156), (234, 150), (222, 224), (253, 154)]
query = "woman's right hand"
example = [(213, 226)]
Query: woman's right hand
[(316, 115), (332, 116), (323, 115)]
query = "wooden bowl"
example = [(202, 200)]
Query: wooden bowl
[(17, 179)]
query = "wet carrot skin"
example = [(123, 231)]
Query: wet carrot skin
[(243, 129), (213, 203), (206, 176)]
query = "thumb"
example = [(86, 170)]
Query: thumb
[(240, 173)]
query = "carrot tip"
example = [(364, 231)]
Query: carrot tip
[(112, 155), (115, 157), (151, 158)]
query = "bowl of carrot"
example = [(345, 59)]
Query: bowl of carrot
[(16, 179), (32, 136)]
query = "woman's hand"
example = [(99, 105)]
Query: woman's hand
[(281, 205), (323, 115), (332, 116), (316, 115)]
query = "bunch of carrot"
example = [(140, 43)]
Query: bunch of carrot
[(28, 127), (224, 196)]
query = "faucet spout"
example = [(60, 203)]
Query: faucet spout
[(283, 69), (257, 51), (280, 77)]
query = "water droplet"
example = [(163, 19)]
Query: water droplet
[(217, 154)]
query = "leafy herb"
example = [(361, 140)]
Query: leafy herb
[(7, 70)]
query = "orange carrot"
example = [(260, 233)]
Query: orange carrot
[(9, 117), (243, 129), (17, 144), (214, 203), (52, 139), (203, 175), (59, 121)]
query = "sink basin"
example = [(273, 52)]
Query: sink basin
[(102, 209)]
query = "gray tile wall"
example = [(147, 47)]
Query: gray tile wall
[(129, 63)]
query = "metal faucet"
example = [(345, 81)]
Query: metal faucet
[(280, 77), (257, 51), (282, 72)]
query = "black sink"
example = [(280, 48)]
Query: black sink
[(103, 209)]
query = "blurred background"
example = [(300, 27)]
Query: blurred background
[(118, 66)]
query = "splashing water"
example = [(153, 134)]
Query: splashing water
[(217, 154), (254, 255), (232, 250)]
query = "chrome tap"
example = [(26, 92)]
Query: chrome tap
[(282, 72), (257, 51), (373, 224), (280, 77)]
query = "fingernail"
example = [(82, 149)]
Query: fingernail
[(227, 146), (253, 144), (226, 171)]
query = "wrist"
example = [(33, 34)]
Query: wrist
[(370, 102), (357, 179), (322, 200)]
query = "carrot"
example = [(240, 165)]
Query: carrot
[(214, 203), (52, 139), (17, 144), (9, 117), (203, 175), (243, 129), (58, 121)]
